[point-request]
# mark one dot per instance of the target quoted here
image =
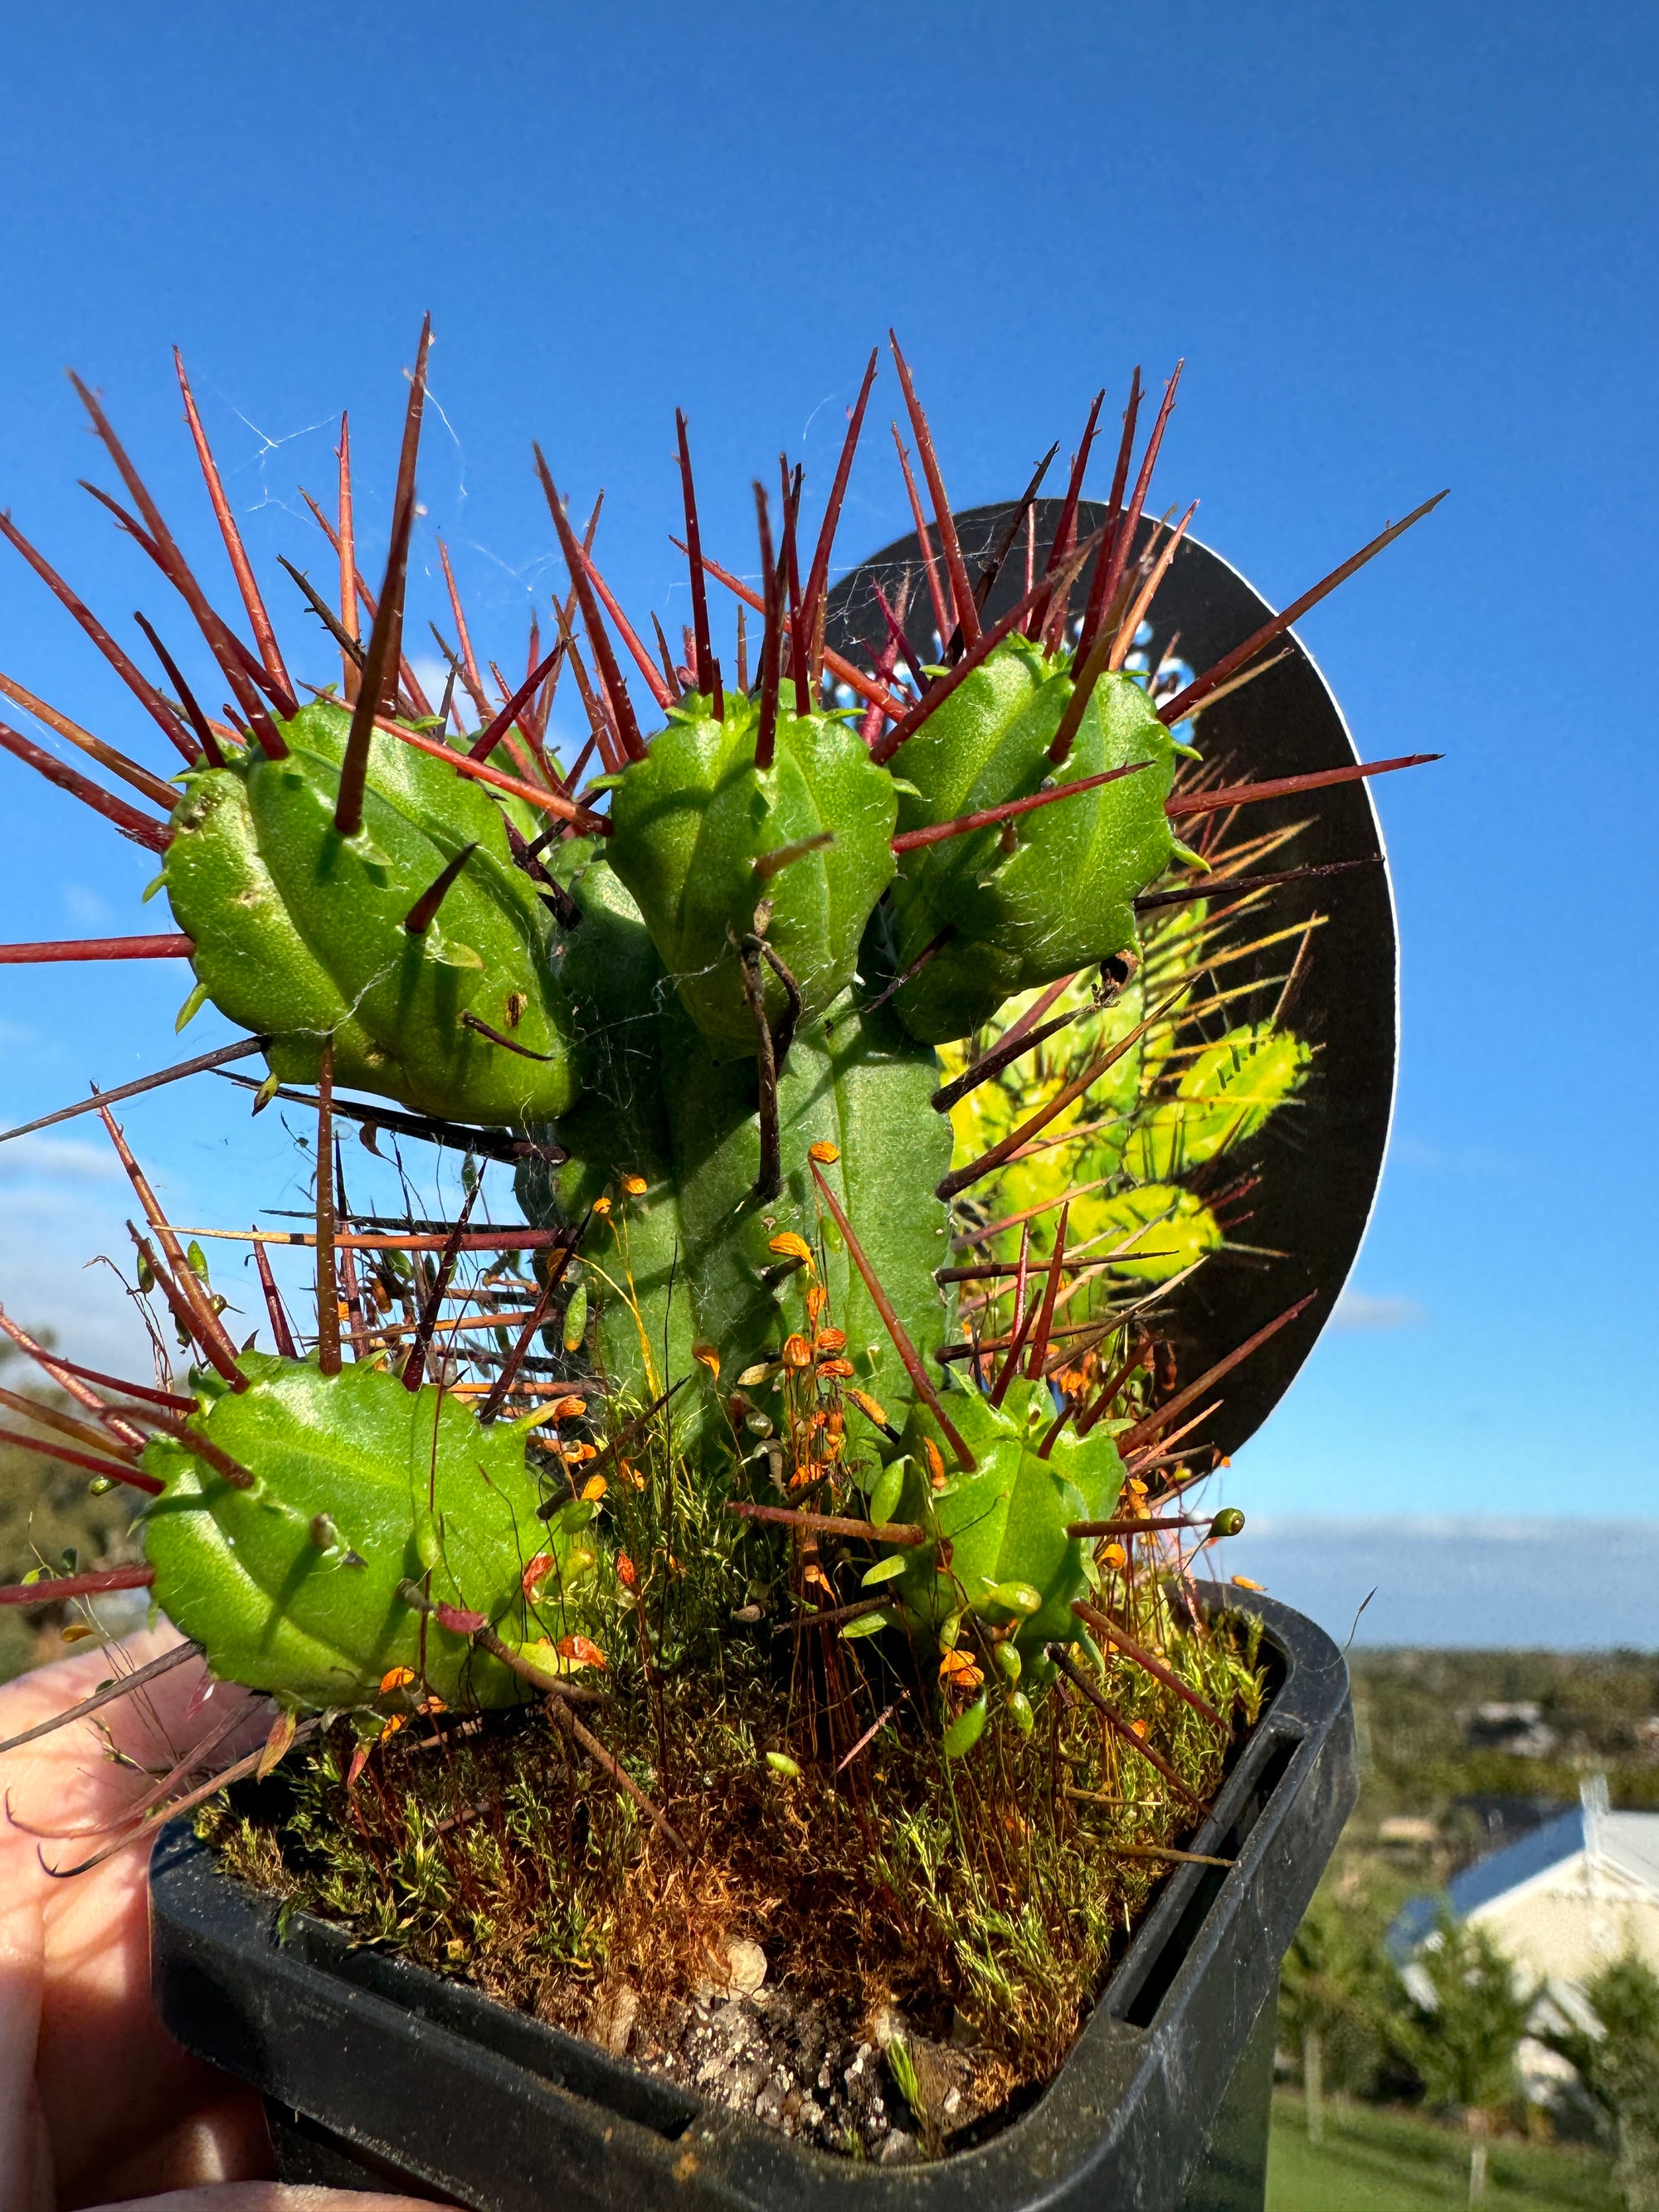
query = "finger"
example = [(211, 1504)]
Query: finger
[(26, 2176), (224, 2141), (172, 1709), (98, 2025), (267, 2197)]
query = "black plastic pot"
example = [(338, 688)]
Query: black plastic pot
[(378, 2074)]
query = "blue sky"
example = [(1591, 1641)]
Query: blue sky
[(1399, 248)]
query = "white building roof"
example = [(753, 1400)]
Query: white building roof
[(1620, 1849)]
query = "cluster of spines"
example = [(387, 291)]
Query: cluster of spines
[(1176, 954), (819, 1385), (381, 690)]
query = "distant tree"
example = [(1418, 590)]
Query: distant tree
[(48, 1515), (1328, 1993), (1461, 2016), (1620, 2069)]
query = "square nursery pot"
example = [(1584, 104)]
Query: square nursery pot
[(378, 2074)]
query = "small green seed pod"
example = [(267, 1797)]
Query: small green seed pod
[(885, 1570), (888, 1488), (965, 1731), (867, 1624), (1015, 1596)]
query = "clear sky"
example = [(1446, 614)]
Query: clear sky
[(1399, 247)]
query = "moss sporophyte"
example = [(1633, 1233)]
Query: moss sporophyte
[(874, 1058)]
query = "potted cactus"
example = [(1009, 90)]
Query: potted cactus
[(750, 1697)]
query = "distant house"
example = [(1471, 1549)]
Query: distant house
[(1577, 1893), (1519, 1730)]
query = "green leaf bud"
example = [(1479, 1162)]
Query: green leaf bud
[(964, 1732)]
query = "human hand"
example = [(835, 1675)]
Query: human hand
[(98, 2105)]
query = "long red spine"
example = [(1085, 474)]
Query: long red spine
[(817, 577), (258, 619), (705, 668), (967, 617), (143, 829)]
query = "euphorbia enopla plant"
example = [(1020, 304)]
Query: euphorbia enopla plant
[(807, 992)]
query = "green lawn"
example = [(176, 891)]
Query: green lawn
[(1389, 2161)]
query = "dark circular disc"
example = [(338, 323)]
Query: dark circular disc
[(1317, 1162)]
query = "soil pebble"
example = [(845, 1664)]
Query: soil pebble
[(745, 1966)]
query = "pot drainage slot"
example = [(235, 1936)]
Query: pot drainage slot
[(1171, 1955)]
